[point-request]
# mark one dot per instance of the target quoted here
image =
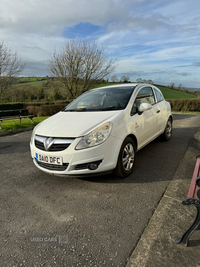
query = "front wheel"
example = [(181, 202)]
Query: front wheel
[(166, 136), (126, 159)]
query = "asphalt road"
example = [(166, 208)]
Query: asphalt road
[(51, 221)]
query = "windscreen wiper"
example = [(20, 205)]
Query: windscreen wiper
[(112, 108), (81, 109), (75, 109)]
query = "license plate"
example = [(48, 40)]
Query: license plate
[(49, 159)]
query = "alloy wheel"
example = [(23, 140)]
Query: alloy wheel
[(128, 156)]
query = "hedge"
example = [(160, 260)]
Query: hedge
[(45, 110), (10, 106), (49, 108), (65, 102), (192, 105)]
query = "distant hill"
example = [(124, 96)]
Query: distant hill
[(38, 88), (192, 89)]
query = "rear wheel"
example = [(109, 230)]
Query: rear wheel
[(126, 158), (166, 136)]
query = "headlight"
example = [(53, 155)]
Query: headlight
[(96, 137)]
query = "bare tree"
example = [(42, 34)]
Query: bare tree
[(172, 85), (10, 67), (125, 79), (180, 86), (149, 81), (139, 80), (114, 79), (79, 64)]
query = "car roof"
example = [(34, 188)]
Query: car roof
[(118, 85), (126, 85), (137, 85)]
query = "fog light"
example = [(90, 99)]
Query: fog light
[(92, 166)]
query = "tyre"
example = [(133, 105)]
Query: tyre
[(166, 136), (126, 158)]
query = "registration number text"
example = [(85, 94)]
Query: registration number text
[(49, 159)]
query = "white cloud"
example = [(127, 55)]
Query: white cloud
[(50, 17), (144, 35)]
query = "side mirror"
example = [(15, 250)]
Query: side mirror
[(143, 107)]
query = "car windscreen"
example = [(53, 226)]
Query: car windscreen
[(102, 99)]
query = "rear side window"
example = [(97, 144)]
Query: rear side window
[(159, 96)]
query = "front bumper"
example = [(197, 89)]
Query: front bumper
[(78, 162)]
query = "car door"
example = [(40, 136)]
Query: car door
[(163, 114), (146, 123)]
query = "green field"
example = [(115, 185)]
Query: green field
[(31, 79), (39, 82), (167, 92), (36, 83), (174, 94), (14, 124), (32, 82)]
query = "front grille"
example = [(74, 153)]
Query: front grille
[(86, 165), (54, 147), (39, 145), (53, 167), (59, 147), (58, 144)]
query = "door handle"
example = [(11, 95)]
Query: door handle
[(158, 111)]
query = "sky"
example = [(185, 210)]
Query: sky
[(150, 39)]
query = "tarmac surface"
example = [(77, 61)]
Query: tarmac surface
[(157, 246)]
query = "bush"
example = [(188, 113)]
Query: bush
[(192, 105), (41, 94), (57, 95), (10, 106), (45, 110)]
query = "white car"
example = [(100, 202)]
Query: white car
[(101, 131)]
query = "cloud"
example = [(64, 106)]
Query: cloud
[(150, 23), (195, 64), (184, 73), (150, 38), (48, 18)]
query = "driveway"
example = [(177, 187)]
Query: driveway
[(53, 221)]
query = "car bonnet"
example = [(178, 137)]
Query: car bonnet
[(74, 124)]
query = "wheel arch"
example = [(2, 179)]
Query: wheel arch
[(133, 137), (171, 117)]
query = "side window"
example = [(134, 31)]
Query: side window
[(145, 95), (158, 96)]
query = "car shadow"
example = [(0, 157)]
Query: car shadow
[(144, 167)]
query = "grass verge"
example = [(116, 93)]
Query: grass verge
[(174, 94), (11, 125)]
